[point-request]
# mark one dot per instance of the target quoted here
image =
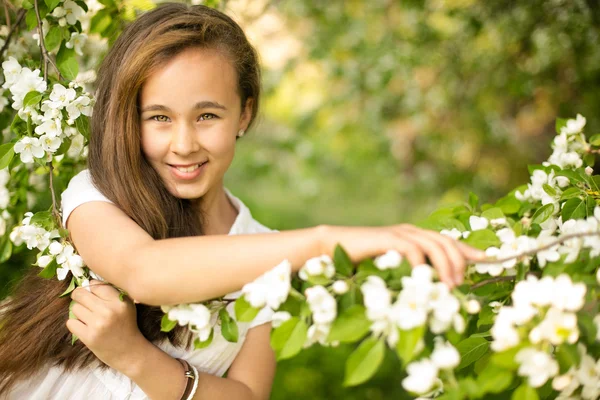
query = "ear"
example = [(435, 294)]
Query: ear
[(246, 113)]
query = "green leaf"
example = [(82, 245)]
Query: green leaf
[(482, 239), (70, 288), (100, 21), (52, 4), (350, 326), (82, 123), (7, 151), (494, 380), (542, 214), (587, 327), (45, 219), (342, 261), (471, 350), (549, 189), (364, 361), (67, 63), (201, 345), (7, 248), (288, 339), (53, 38), (571, 193), (567, 356), (492, 213), (525, 392), (573, 176), (32, 98), (167, 325), (229, 328), (509, 204), (49, 271), (473, 201), (407, 343), (74, 338), (595, 140), (560, 123), (82, 4), (244, 312), (506, 359), (573, 209), (31, 19)]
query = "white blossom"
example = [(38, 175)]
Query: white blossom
[(537, 366), (279, 318), (76, 42), (445, 356), (72, 12), (321, 304), (391, 259), (271, 288), (478, 223), (61, 95), (317, 266), (422, 375), (339, 287), (28, 148)]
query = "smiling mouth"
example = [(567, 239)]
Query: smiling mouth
[(189, 168)]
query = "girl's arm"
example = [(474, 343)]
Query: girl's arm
[(107, 326), (192, 269)]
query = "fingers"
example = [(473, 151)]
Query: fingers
[(471, 253), (104, 290), (82, 313), (450, 247), (434, 252), (77, 328), (87, 299)]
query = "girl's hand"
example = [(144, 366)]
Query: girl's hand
[(448, 256), (106, 325)]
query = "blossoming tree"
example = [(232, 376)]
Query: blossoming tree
[(524, 325)]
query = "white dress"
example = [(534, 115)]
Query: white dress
[(96, 384)]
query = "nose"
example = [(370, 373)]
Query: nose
[(184, 140)]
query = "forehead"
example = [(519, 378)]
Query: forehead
[(193, 75)]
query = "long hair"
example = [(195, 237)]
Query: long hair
[(33, 333)]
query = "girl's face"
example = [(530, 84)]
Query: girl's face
[(190, 116)]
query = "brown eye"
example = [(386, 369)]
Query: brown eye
[(207, 116), (160, 118)]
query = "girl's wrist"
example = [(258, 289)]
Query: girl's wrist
[(138, 359)]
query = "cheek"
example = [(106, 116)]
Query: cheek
[(151, 146)]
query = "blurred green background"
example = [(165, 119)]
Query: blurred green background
[(377, 112)]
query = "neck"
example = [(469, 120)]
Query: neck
[(219, 214)]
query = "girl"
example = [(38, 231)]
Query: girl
[(151, 216)]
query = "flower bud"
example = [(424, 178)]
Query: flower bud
[(341, 287), (589, 170), (473, 306)]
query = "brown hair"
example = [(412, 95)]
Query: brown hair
[(33, 333)]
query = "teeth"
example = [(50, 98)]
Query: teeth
[(188, 169)]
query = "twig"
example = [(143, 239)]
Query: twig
[(492, 280), (535, 251), (20, 16), (55, 211), (7, 15), (43, 50)]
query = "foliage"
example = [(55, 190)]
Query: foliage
[(465, 76)]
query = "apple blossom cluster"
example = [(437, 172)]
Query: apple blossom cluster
[(579, 382), (197, 317), (324, 311), (543, 312), (317, 266), (421, 301), (270, 289), (569, 144), (423, 377), (53, 118)]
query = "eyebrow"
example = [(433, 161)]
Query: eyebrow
[(197, 106)]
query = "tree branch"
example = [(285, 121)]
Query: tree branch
[(46, 57), (20, 16), (535, 251)]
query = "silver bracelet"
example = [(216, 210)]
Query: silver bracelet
[(195, 387)]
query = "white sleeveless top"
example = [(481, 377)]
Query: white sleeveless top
[(95, 384)]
